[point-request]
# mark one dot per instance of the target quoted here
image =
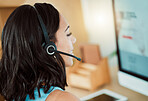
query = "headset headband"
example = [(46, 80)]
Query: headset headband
[(43, 26), (49, 46)]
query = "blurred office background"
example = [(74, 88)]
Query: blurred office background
[(91, 21)]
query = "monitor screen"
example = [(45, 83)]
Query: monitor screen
[(131, 24)]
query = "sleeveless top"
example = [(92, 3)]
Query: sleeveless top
[(43, 95)]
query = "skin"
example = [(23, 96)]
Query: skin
[(65, 41), (58, 95)]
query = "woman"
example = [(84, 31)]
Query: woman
[(27, 71)]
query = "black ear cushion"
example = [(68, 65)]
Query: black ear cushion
[(53, 44), (50, 48)]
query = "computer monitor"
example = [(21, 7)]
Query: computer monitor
[(131, 28)]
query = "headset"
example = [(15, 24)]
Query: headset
[(48, 45)]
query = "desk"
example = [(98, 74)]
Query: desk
[(113, 86)]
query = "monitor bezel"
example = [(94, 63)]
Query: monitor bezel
[(117, 45)]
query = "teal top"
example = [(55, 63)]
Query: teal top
[(43, 95)]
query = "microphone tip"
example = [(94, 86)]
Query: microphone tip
[(79, 59)]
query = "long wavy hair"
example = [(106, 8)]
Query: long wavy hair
[(25, 65)]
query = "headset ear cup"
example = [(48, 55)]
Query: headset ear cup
[(50, 48)]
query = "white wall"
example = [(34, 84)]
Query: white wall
[(98, 18)]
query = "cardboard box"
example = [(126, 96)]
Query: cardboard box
[(89, 76)]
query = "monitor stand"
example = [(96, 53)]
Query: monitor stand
[(133, 83)]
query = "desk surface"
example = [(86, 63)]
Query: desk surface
[(113, 86)]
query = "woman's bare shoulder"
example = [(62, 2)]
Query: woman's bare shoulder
[(59, 95)]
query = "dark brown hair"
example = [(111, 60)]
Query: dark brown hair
[(25, 65)]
